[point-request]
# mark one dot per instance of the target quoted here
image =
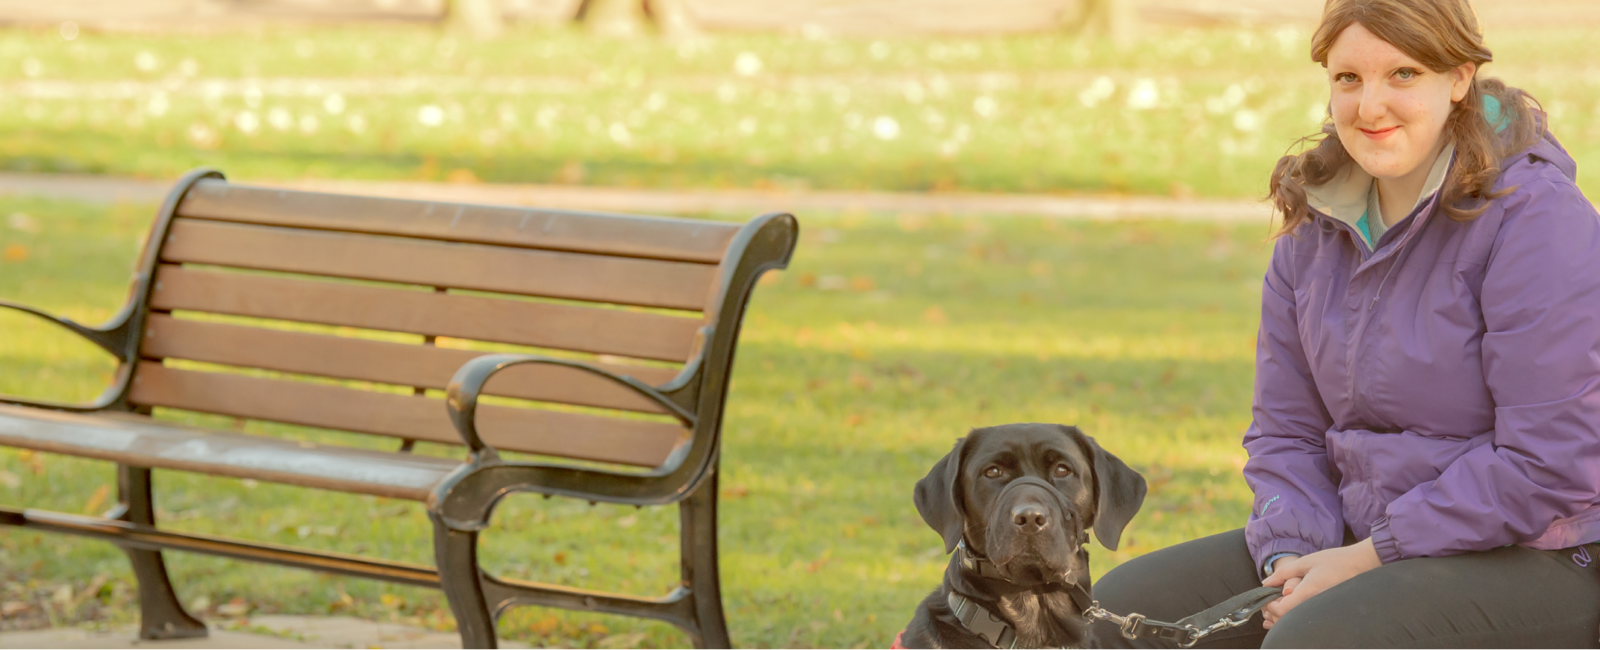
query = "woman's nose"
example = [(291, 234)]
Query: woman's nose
[(1374, 103)]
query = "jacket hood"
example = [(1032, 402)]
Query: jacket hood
[(1345, 197), (1548, 150)]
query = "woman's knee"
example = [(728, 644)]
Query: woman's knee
[(1309, 627), (1171, 583)]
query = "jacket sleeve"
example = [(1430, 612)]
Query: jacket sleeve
[(1297, 508), (1541, 362)]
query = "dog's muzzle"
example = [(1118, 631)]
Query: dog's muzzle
[(1031, 518)]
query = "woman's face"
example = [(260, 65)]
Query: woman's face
[(1389, 110)]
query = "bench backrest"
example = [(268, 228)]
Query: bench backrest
[(345, 300)]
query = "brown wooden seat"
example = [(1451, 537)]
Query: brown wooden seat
[(362, 314), (139, 440)]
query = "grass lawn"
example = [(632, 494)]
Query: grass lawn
[(1180, 112), (889, 337)]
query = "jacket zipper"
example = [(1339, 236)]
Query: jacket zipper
[(1358, 363)]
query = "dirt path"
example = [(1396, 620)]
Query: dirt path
[(106, 189)]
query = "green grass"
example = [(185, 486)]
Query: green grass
[(1140, 332), (1180, 112)]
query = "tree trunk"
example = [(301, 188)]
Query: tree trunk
[(618, 18), (1109, 19), (480, 18), (672, 17)]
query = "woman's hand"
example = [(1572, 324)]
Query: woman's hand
[(1304, 577)]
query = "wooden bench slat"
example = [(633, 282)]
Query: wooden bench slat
[(628, 281), (570, 435), (384, 362), (145, 442), (565, 327), (667, 239)]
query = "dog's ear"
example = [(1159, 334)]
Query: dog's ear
[(938, 496), (1119, 491)]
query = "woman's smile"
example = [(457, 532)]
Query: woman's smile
[(1380, 134)]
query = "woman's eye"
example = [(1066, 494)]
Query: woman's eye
[(992, 472), (1344, 77), (1405, 74), (1062, 470)]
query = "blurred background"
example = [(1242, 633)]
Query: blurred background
[(915, 139)]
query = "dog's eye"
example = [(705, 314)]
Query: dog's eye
[(992, 472), (1062, 470)]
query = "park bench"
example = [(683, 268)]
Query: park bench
[(243, 292)]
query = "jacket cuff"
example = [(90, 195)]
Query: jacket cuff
[(1266, 567), (1382, 540), (1281, 546)]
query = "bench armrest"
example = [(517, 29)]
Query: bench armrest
[(112, 341), (461, 396)]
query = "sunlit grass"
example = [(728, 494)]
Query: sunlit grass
[(887, 339), (1181, 112)]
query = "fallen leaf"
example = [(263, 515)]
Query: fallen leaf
[(234, 608), (832, 283), (200, 604), (545, 625), (13, 608), (62, 595), (21, 222), (628, 521), (561, 557), (935, 315), (392, 601), (462, 177), (94, 588), (15, 253), (862, 284), (854, 420), (808, 280), (97, 499), (770, 278), (10, 480)]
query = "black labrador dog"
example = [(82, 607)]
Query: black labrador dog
[(1016, 503)]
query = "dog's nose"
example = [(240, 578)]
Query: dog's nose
[(1030, 518)]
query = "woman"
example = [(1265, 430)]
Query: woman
[(1425, 451)]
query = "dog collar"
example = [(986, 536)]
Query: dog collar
[(978, 620), (974, 562)]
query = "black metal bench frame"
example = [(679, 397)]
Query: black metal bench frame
[(461, 505)]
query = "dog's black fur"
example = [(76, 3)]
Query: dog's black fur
[(1032, 534)]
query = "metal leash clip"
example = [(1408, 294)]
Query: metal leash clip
[(1134, 626)]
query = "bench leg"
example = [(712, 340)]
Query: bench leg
[(698, 523), (161, 616), (456, 552)]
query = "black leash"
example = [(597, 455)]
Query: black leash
[(1226, 615)]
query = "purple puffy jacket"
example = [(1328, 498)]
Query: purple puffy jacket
[(1441, 394)]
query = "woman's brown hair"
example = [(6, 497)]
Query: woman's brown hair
[(1441, 35)]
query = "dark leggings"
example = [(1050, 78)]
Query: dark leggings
[(1511, 597)]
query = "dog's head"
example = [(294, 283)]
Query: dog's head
[(1023, 495)]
